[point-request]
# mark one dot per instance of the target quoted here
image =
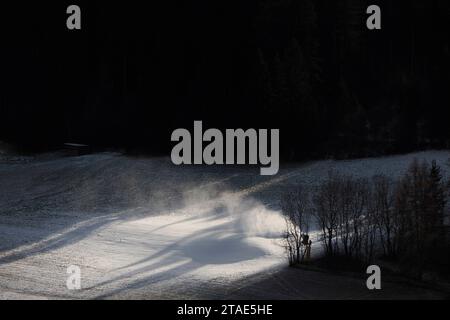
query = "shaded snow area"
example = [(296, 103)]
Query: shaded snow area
[(145, 229)]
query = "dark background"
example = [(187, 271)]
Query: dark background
[(140, 69)]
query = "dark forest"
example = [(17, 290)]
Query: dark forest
[(138, 70)]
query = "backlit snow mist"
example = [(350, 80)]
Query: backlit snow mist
[(144, 228)]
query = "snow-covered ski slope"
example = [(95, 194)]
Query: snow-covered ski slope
[(143, 228)]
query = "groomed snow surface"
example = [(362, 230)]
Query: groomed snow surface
[(143, 228)]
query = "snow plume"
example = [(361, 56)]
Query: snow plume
[(252, 218), (246, 214), (261, 222), (142, 188)]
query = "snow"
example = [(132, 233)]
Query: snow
[(144, 228)]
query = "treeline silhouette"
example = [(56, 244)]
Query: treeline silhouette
[(137, 71), (363, 220)]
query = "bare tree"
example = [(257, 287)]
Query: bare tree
[(368, 227), (326, 204), (345, 204), (295, 206), (382, 210), (361, 219), (353, 200)]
